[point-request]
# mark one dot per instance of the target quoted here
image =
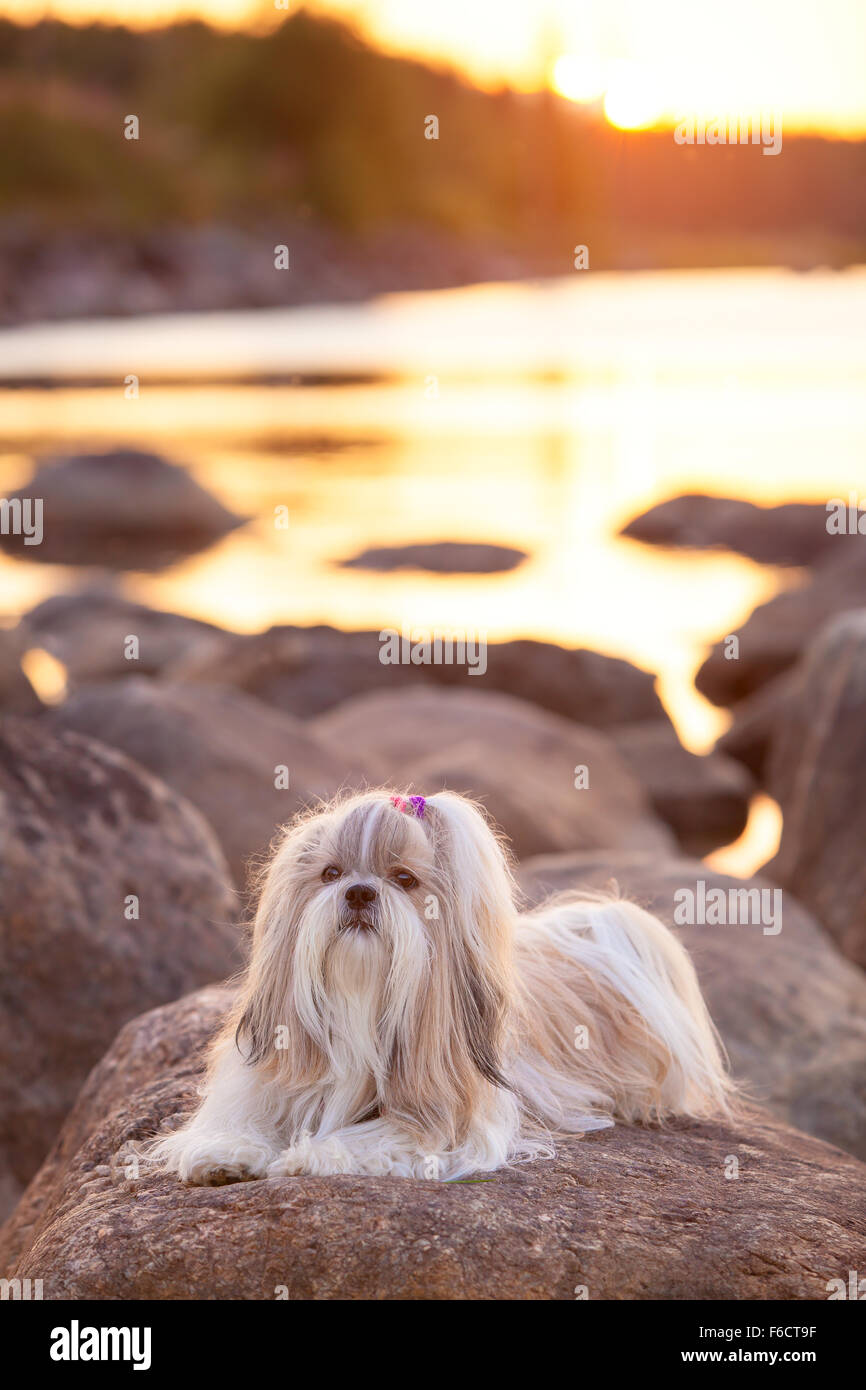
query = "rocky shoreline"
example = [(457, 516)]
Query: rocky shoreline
[(194, 269), (135, 806)]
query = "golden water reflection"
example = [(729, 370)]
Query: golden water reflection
[(560, 495), (553, 462)]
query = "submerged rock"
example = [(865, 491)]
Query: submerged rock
[(792, 534), (124, 509), (439, 557)]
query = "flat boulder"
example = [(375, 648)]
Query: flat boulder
[(247, 767), (89, 631), (438, 557), (586, 686), (114, 896), (816, 773), (308, 670), (95, 1226), (123, 509), (792, 534), (301, 671), (522, 762), (790, 1009)]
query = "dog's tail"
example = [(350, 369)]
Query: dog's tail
[(613, 1019)]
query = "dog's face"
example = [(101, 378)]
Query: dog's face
[(363, 888), (383, 943), (368, 872)]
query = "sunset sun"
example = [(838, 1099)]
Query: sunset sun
[(631, 97), (579, 79), (632, 100)]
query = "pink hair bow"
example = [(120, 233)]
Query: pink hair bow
[(413, 805)]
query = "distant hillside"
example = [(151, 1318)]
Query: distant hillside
[(308, 130)]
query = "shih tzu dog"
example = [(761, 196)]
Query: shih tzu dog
[(399, 1017)]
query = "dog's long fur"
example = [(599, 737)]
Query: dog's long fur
[(445, 1037)]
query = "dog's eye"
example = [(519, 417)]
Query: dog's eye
[(330, 874), (404, 878)]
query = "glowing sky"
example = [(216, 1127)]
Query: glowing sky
[(658, 60)]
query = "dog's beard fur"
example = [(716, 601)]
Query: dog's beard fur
[(435, 1034)]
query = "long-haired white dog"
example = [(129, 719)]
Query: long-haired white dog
[(399, 1017)]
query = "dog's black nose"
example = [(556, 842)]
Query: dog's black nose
[(360, 894)]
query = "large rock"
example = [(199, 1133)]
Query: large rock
[(791, 1010), (793, 534), (438, 557), (704, 799), (582, 685), (777, 632), (218, 747), (307, 670), (817, 768), (88, 630), (791, 1221), (753, 724), (124, 509), (17, 695), (82, 830), (519, 760)]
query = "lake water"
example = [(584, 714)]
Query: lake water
[(541, 416)]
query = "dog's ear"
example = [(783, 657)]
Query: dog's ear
[(482, 907), (267, 1008), (470, 852), (481, 1007), (249, 1035), (453, 1044)]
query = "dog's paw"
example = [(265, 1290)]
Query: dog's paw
[(322, 1158), (216, 1165), (221, 1176)]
